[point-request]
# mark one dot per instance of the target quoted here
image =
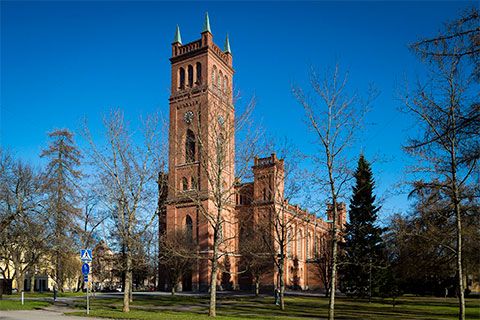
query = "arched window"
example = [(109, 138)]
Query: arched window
[(199, 73), (181, 75), (299, 244), (190, 146), (219, 80), (190, 76), (214, 75), (193, 184), (184, 184), (225, 84), (264, 194), (189, 228)]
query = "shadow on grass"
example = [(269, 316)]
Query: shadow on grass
[(180, 307)]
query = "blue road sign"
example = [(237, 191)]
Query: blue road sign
[(85, 269), (85, 278), (86, 255)]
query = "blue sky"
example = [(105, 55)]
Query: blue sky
[(62, 61)]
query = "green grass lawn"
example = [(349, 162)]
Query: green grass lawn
[(17, 305), (179, 308)]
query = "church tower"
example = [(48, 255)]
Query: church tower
[(201, 111)]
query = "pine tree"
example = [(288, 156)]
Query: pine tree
[(363, 247)]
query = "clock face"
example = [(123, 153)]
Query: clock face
[(188, 117)]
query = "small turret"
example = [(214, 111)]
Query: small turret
[(206, 24), (178, 37), (207, 37), (226, 47)]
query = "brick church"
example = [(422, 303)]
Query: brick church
[(202, 193)]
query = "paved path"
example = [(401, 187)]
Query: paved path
[(39, 315)]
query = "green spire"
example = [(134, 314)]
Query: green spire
[(206, 24), (178, 37), (226, 47)]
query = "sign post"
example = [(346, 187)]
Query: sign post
[(86, 257)]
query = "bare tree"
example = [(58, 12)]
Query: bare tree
[(22, 239), (323, 261), (334, 115), (90, 219), (277, 221), (446, 108), (221, 164), (92, 215), (126, 172), (162, 184), (178, 252), (423, 243), (102, 266), (460, 40), (256, 255), (6, 215)]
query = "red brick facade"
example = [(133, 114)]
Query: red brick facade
[(201, 97)]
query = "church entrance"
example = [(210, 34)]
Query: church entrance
[(187, 281)]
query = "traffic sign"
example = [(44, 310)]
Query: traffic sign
[(85, 269), (86, 255), (85, 278)]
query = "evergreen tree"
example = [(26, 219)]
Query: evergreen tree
[(363, 248)]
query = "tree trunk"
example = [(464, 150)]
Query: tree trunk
[(331, 302), (19, 276), (128, 281), (59, 271), (333, 274), (79, 284), (370, 279), (282, 285), (458, 217), (257, 286), (213, 286), (32, 282), (131, 287), (21, 282), (123, 280)]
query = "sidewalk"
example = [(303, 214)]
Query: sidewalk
[(41, 315)]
